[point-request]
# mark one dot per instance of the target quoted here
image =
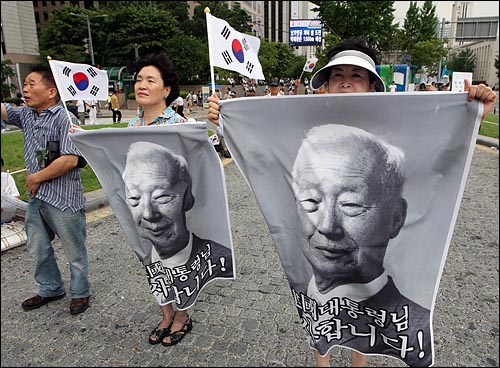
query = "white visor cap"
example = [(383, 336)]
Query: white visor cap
[(349, 57)]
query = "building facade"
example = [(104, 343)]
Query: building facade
[(19, 39)]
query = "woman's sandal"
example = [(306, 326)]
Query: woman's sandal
[(160, 334), (177, 336)]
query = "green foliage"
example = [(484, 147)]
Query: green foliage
[(489, 126), (428, 21), (7, 72), (419, 38), (428, 53), (278, 60), (497, 66), (371, 20), (146, 24), (62, 37), (464, 61)]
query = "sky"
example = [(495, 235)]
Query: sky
[(443, 9)]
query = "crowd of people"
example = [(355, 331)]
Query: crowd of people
[(56, 203)]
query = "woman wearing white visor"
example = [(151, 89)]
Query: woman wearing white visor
[(351, 69)]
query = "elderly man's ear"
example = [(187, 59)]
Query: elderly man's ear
[(398, 216), (188, 201)]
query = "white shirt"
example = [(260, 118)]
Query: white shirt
[(392, 88), (92, 103), (179, 101), (80, 105), (9, 185)]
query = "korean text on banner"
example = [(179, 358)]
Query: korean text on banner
[(230, 49), (79, 81)]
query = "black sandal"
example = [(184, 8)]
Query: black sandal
[(160, 334), (177, 336)]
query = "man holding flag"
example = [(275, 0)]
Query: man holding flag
[(56, 204)]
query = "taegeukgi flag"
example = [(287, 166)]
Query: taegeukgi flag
[(79, 81), (233, 50), (310, 64), (360, 193)]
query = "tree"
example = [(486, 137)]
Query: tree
[(278, 60), (429, 22), (411, 27), (62, 36), (497, 66), (7, 72), (145, 23), (371, 20), (464, 61)]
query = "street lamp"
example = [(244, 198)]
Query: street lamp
[(136, 48), (91, 48), (443, 22)]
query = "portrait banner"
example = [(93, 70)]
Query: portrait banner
[(361, 193), (165, 185)]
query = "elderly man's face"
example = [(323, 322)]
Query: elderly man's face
[(346, 218), (157, 205)]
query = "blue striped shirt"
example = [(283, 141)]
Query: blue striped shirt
[(66, 190)]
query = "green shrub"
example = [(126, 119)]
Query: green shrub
[(131, 96)]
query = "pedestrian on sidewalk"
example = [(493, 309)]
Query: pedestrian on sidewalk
[(179, 106), (92, 107), (80, 106), (56, 205), (115, 105), (351, 69)]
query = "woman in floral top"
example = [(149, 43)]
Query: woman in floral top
[(156, 86)]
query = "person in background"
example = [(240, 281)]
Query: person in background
[(351, 69), (195, 101), (179, 106), (80, 105), (92, 106), (9, 189), (393, 87), (56, 205), (108, 102), (19, 99), (9, 186), (115, 105)]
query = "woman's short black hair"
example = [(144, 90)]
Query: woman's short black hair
[(167, 70)]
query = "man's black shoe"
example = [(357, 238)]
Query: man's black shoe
[(37, 301), (78, 305)]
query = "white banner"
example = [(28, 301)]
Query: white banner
[(230, 49), (79, 81), (165, 186), (361, 194)]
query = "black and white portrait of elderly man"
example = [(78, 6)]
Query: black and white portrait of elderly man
[(348, 186), (158, 192)]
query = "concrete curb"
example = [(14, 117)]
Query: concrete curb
[(487, 141)]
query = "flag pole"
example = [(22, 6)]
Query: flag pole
[(56, 79), (209, 32)]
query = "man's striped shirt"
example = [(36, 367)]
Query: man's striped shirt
[(66, 190)]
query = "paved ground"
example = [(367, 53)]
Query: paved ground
[(249, 321)]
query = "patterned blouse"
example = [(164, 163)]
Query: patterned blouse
[(168, 116)]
